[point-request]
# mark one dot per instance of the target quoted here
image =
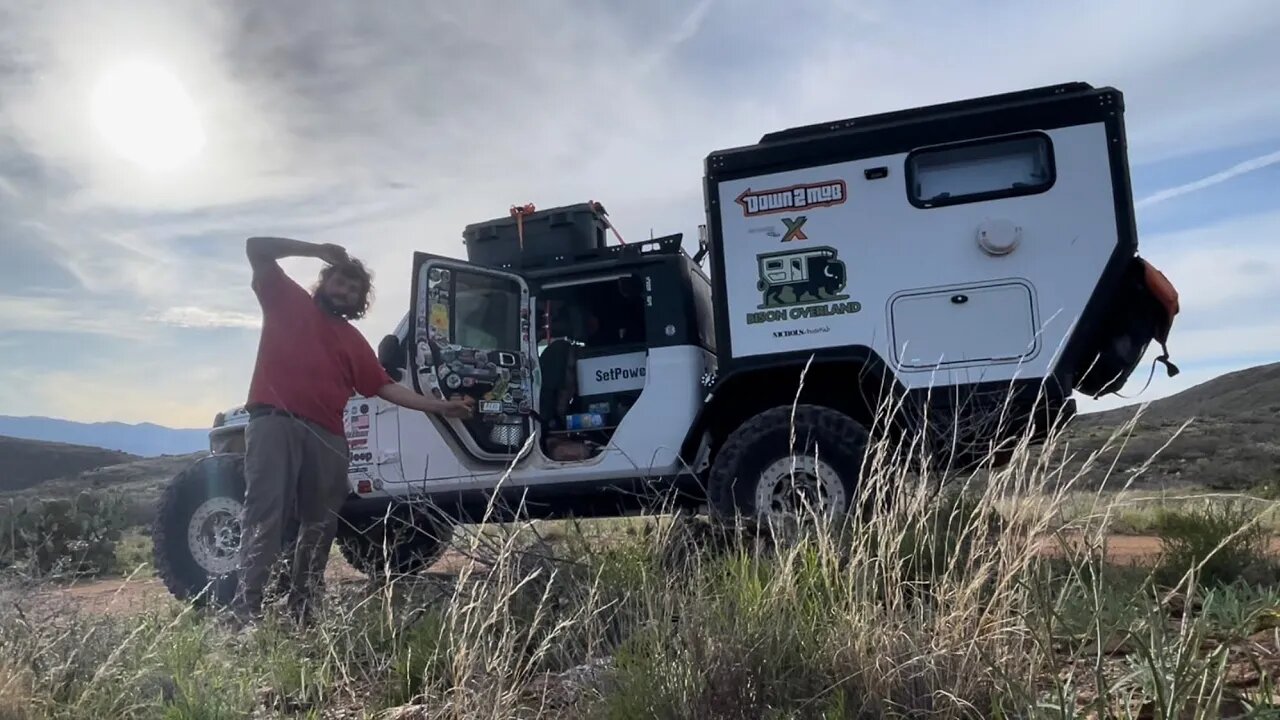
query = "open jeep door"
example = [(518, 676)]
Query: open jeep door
[(470, 336)]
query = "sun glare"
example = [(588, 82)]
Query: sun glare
[(145, 116)]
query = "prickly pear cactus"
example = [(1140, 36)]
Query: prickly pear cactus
[(62, 537)]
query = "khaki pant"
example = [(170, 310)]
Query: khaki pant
[(295, 471)]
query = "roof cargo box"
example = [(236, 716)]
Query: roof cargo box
[(555, 232)]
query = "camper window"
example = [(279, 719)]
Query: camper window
[(982, 170)]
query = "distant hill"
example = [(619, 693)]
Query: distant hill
[(140, 481), (1232, 441), (27, 463), (145, 439), (31, 469)]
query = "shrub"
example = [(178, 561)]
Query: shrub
[(1223, 542), (62, 537)]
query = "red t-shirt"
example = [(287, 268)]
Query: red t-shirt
[(309, 363)]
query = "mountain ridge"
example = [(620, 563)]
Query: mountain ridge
[(26, 464), (142, 439), (1222, 434)]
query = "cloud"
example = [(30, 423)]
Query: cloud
[(144, 392), (47, 314), (1234, 171), (1223, 270), (194, 317)]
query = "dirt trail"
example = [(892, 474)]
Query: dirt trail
[(1121, 549), (121, 596), (125, 596)]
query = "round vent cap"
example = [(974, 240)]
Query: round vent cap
[(998, 236)]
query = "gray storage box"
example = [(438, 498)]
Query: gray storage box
[(556, 232)]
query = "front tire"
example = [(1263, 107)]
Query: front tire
[(402, 542), (196, 532), (760, 474)]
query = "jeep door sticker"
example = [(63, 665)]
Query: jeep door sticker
[(801, 284), (795, 197), (612, 373)]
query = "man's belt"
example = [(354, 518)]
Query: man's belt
[(258, 411)]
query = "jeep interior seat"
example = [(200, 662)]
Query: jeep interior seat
[(559, 386), (558, 379)]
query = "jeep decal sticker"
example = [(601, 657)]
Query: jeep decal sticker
[(795, 197), (612, 373), (795, 229), (801, 284)]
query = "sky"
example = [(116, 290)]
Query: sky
[(142, 141)]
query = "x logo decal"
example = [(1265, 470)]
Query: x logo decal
[(794, 231)]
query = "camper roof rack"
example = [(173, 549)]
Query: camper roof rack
[(666, 245), (869, 121)]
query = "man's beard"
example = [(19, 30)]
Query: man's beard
[(341, 310)]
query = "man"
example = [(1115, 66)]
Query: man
[(311, 360)]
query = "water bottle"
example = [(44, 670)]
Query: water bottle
[(584, 421)]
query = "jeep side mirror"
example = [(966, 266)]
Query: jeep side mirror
[(391, 356)]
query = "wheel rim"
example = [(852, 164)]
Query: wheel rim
[(213, 535), (799, 484)]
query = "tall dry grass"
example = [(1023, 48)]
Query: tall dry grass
[(956, 600)]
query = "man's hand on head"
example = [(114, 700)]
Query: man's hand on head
[(332, 254)]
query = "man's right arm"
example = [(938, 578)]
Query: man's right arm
[(263, 253)]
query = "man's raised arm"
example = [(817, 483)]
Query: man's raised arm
[(263, 251)]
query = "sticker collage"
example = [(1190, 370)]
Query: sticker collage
[(500, 381)]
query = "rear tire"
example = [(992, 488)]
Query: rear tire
[(401, 543), (196, 531), (759, 475)]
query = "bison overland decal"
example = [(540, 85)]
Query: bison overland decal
[(795, 197), (801, 284), (795, 229), (800, 277)]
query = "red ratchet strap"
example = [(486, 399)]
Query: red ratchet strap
[(605, 216), (518, 212)]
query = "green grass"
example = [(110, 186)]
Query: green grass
[(813, 628), (939, 606)]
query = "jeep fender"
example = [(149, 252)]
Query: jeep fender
[(855, 381)]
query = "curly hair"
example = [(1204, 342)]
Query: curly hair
[(355, 270)]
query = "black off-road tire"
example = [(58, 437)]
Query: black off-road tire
[(402, 543), (212, 484), (827, 435)]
